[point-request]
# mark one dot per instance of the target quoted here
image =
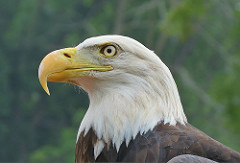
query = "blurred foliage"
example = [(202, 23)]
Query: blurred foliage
[(63, 149), (183, 18), (198, 40)]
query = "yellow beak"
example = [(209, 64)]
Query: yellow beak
[(63, 65)]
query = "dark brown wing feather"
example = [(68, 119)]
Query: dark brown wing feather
[(84, 148), (160, 145)]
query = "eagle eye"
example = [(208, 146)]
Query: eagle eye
[(109, 51)]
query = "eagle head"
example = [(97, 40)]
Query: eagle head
[(130, 89)]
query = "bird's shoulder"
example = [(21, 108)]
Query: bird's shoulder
[(165, 142), (161, 144)]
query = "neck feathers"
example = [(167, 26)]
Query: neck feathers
[(121, 110)]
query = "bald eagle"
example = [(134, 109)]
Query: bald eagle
[(135, 113)]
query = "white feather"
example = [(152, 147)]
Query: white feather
[(98, 148), (133, 98)]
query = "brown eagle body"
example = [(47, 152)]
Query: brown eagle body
[(161, 144)]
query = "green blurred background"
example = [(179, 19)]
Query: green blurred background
[(199, 40)]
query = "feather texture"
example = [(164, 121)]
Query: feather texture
[(161, 144), (135, 113)]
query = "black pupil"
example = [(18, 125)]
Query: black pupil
[(109, 50)]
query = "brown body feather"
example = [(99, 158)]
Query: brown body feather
[(161, 144)]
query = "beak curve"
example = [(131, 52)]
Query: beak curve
[(64, 64)]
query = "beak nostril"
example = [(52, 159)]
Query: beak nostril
[(67, 55)]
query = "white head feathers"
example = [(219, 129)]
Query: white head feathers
[(134, 97)]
